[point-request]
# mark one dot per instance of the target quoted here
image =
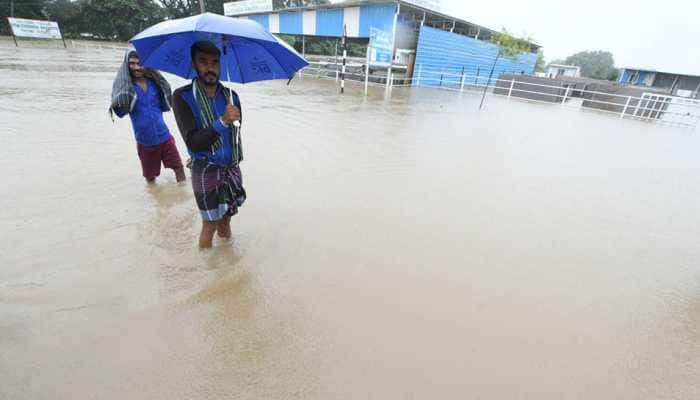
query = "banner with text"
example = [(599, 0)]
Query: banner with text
[(31, 28), (381, 47), (247, 7)]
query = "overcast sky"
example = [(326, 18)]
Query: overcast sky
[(663, 35)]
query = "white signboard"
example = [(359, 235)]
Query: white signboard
[(247, 7), (34, 28)]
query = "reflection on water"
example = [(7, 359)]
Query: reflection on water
[(409, 247)]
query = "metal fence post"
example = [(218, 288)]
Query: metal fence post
[(366, 81), (636, 109), (627, 104), (512, 83), (367, 72), (461, 82), (566, 94), (344, 44)]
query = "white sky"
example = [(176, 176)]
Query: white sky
[(663, 35)]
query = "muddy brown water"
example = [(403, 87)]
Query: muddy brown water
[(403, 248)]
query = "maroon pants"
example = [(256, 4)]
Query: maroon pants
[(152, 156)]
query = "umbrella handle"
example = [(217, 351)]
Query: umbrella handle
[(236, 123)]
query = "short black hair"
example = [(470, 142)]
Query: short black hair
[(204, 47), (132, 54)]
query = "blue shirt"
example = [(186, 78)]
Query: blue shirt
[(224, 154), (147, 116)]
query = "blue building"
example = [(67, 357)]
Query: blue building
[(433, 48), (682, 85)]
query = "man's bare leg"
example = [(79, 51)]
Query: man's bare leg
[(224, 227), (207, 235), (180, 174)]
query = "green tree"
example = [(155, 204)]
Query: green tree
[(118, 19), (594, 64), (215, 6), (181, 8), (541, 64), (30, 9), (68, 15), (509, 46)]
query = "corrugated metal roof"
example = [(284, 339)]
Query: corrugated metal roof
[(658, 71), (358, 3)]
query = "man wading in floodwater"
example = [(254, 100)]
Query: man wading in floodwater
[(144, 94), (205, 116)]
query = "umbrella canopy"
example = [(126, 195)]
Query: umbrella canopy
[(248, 52)]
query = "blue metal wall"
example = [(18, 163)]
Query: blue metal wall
[(442, 56), (377, 16), (640, 79), (292, 23), (625, 76), (263, 20), (329, 22)]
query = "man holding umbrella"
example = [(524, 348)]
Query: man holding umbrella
[(208, 116)]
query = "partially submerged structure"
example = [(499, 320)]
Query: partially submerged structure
[(432, 48)]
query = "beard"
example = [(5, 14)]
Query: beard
[(209, 78)]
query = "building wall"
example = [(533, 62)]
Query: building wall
[(292, 23), (571, 72), (671, 83), (688, 82), (640, 79), (377, 16), (330, 22), (442, 56), (263, 20), (633, 77), (664, 81), (625, 76)]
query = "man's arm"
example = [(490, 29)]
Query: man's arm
[(195, 139)]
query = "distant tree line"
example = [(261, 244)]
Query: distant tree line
[(594, 64)]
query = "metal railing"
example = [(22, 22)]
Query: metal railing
[(651, 107)]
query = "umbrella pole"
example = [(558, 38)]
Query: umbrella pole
[(236, 123)]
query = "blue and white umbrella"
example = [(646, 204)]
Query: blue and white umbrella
[(248, 52)]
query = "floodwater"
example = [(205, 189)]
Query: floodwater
[(411, 248)]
